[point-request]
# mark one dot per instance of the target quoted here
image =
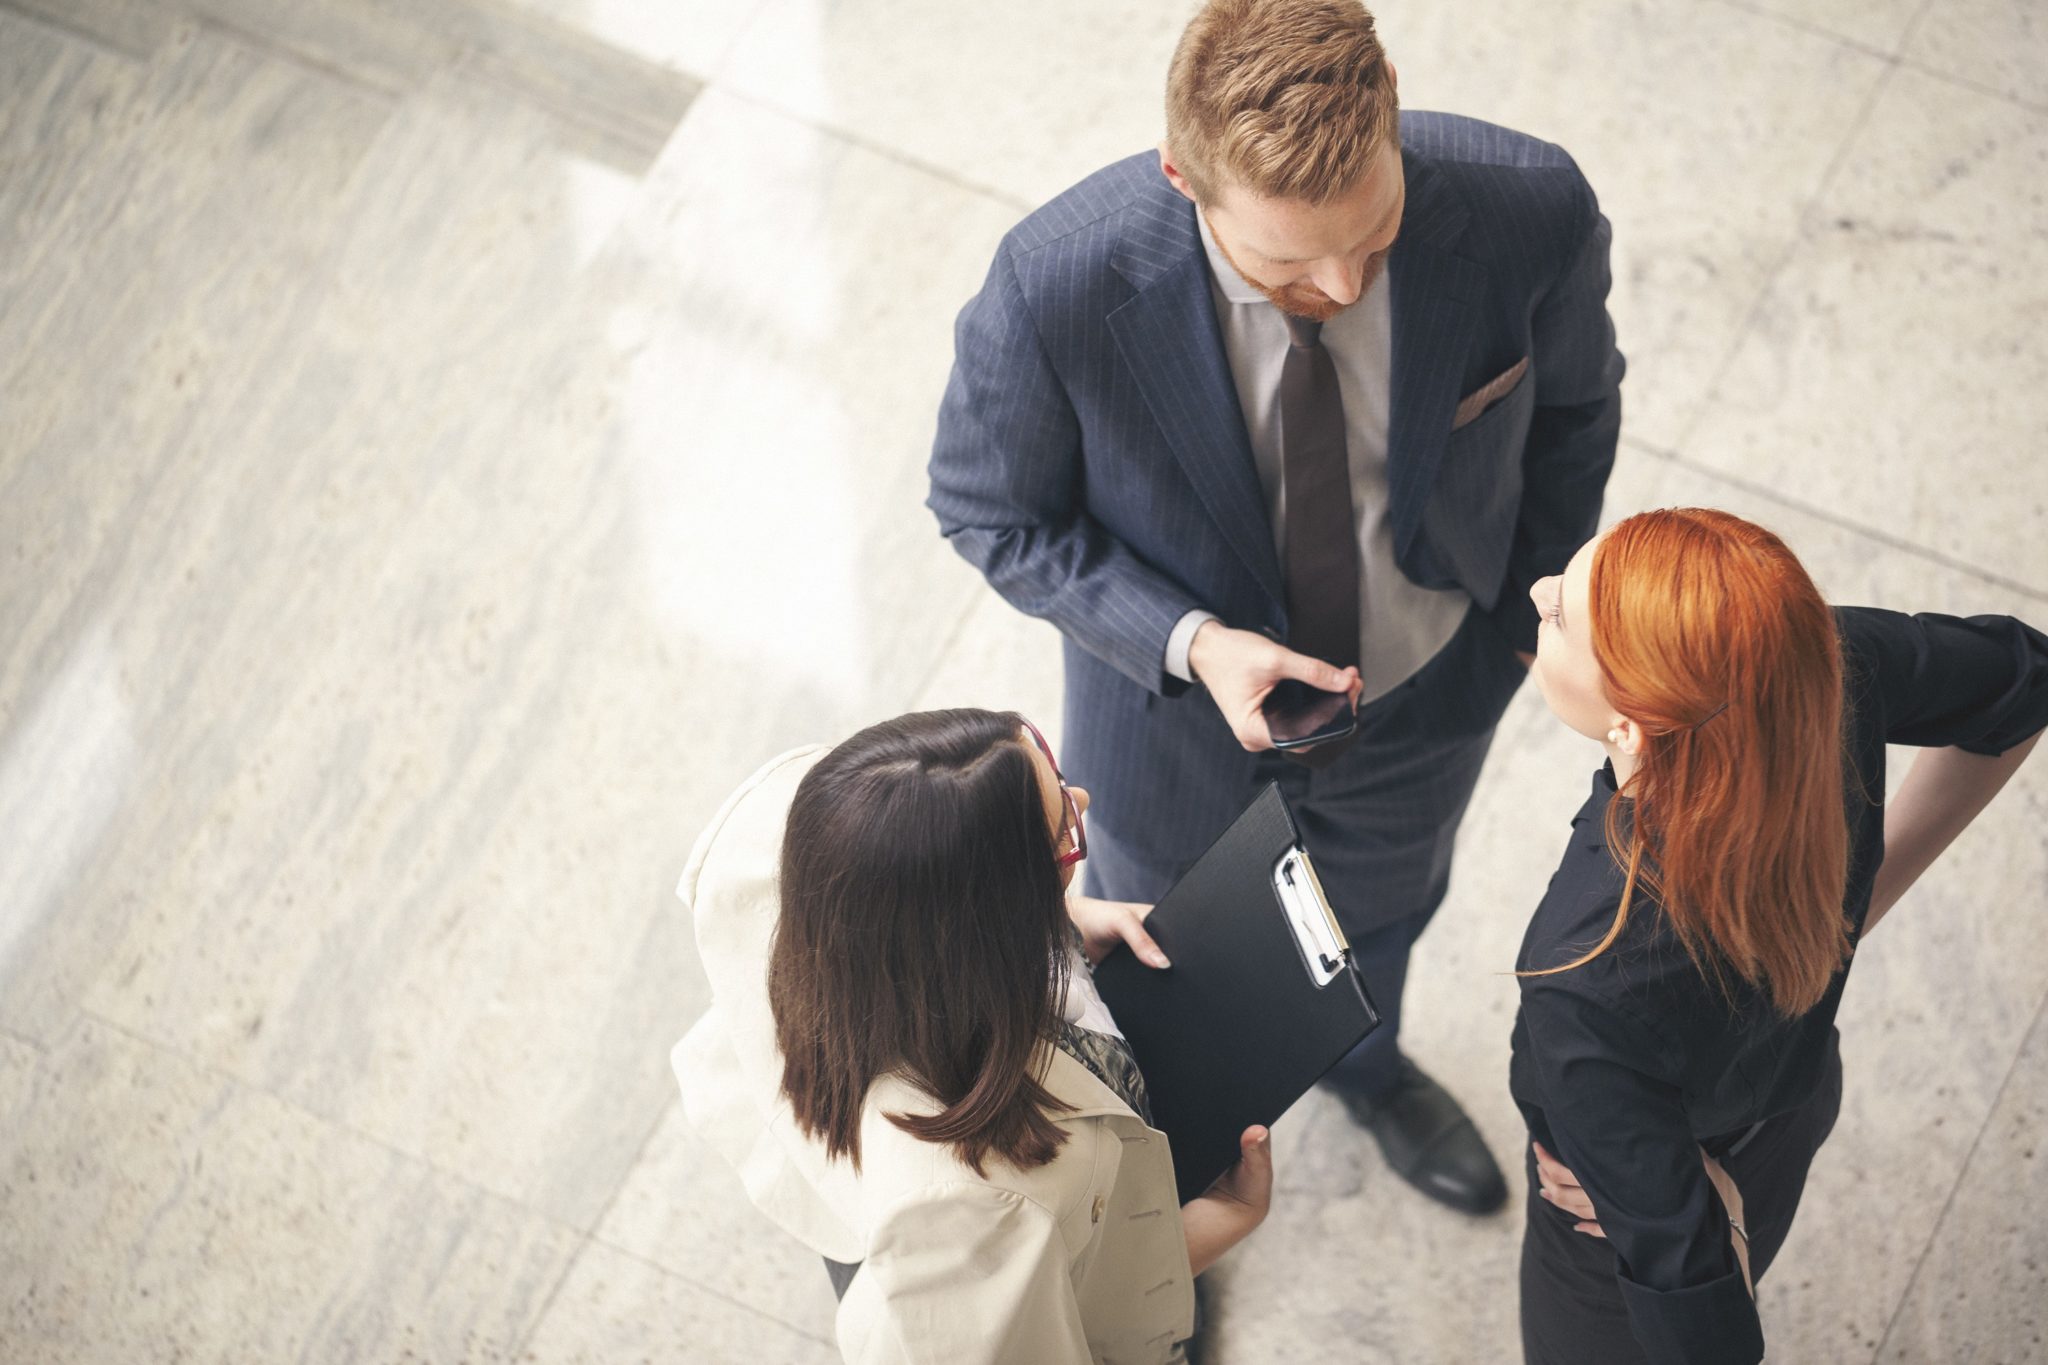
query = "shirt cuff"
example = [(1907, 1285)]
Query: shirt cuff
[(1704, 1324), (1177, 642)]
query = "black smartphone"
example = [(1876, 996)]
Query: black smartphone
[(1298, 715)]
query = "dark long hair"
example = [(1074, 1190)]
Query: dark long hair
[(922, 928)]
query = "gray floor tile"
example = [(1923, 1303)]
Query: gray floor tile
[(164, 278), (1892, 373), (58, 95), (379, 45), (1999, 45), (1977, 1296), (688, 35), (455, 612), (1025, 100), (616, 1307), (1882, 25), (156, 1211), (1704, 129), (684, 1210), (135, 28), (1000, 660), (611, 104)]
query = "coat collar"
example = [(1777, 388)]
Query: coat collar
[(1169, 336), (1436, 290), (1071, 1083)]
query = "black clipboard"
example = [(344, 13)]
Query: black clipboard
[(1261, 999)]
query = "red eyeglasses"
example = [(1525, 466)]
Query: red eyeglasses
[(1073, 828)]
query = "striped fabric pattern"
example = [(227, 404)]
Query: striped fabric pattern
[(1092, 462)]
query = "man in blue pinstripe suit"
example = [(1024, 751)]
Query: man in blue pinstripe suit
[(1114, 452)]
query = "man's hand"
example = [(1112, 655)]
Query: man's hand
[(1218, 1220), (1104, 924), (1239, 667)]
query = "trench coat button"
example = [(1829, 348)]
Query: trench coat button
[(1095, 1216)]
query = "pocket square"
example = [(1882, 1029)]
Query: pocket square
[(1487, 394)]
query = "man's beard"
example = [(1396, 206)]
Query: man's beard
[(1306, 301)]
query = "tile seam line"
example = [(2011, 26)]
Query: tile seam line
[(1765, 287), (1913, 27), (1961, 82), (1815, 30), (524, 1345), (1884, 538), (1947, 1204), (698, 1285), (589, 1235), (340, 1125), (277, 49), (716, 63), (53, 24), (871, 146), (584, 1237), (15, 1036)]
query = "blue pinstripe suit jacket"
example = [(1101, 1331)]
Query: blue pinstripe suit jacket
[(1091, 459)]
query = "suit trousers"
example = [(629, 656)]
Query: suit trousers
[(1572, 1309), (1380, 822)]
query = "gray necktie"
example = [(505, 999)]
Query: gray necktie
[(1322, 534)]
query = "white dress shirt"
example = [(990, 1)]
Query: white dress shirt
[(1401, 625)]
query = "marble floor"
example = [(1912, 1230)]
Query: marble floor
[(444, 445)]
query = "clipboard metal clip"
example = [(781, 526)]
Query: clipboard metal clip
[(1316, 932)]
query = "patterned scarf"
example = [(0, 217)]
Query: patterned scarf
[(1109, 1058)]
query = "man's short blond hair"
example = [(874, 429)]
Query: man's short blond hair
[(1288, 99)]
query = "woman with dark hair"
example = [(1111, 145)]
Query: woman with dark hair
[(907, 1063), (1675, 1054)]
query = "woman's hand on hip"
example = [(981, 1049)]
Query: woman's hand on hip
[(1557, 1185), (1105, 924)]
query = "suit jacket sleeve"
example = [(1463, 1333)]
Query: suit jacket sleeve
[(964, 1274), (1618, 1117), (1007, 487), (1576, 423)]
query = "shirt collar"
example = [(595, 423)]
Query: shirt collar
[(1236, 288), (1592, 817)]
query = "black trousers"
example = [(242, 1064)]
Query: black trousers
[(1572, 1310)]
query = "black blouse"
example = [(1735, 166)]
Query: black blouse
[(1626, 1066)]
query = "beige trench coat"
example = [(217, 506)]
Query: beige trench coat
[(1080, 1260)]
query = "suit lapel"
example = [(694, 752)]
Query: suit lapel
[(1169, 337), (1434, 310)]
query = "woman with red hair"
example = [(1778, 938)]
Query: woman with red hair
[(1675, 1054)]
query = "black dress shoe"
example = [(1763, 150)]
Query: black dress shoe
[(1429, 1142)]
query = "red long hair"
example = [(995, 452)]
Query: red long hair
[(1712, 638)]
